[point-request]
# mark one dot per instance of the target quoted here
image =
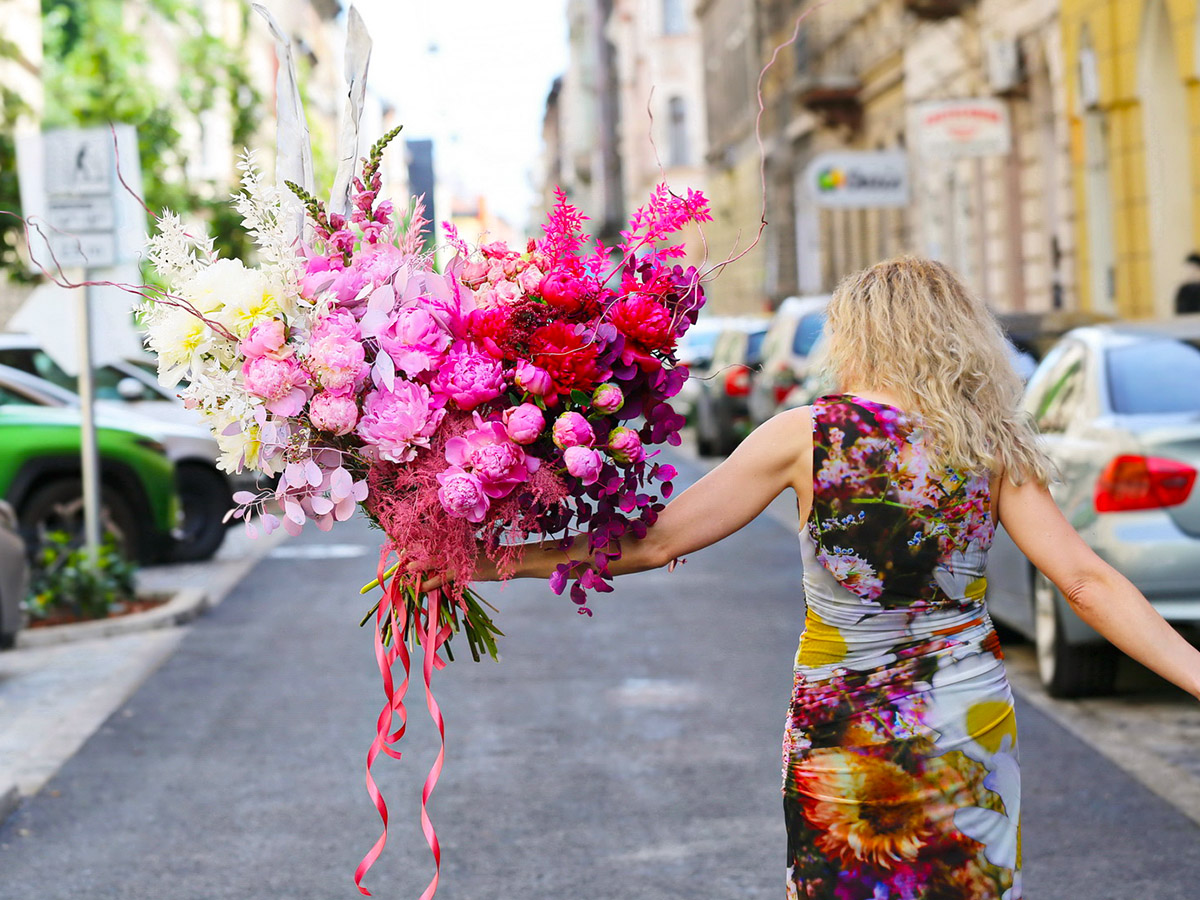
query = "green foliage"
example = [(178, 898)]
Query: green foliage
[(65, 579), (97, 69), (12, 232)]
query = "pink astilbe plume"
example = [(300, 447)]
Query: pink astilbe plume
[(564, 231), (664, 214), (412, 242)]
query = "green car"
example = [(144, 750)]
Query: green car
[(40, 477)]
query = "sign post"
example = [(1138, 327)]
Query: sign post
[(82, 219)]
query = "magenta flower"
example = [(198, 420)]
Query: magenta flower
[(415, 341), (524, 423), (607, 398), (333, 412), (396, 423), (625, 445), (469, 377), (266, 339), (490, 454), (335, 356), (572, 430), (584, 463), (281, 382), (532, 379), (462, 495)]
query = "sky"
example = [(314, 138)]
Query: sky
[(473, 75)]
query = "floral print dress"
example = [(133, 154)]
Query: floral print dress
[(901, 777)]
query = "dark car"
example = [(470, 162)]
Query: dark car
[(722, 417), (14, 575), (1119, 409)]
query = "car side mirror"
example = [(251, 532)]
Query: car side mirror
[(131, 389)]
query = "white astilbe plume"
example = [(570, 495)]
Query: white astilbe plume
[(176, 254), (264, 213)]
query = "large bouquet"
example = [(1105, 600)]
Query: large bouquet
[(512, 394)]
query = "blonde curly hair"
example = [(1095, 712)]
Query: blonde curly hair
[(909, 326)]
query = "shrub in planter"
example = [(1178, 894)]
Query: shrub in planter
[(65, 580)]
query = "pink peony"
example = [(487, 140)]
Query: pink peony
[(584, 463), (462, 494), (531, 379), (281, 382), (647, 327), (572, 430), (415, 341), (625, 445), (266, 339), (333, 412), (335, 354), (396, 423), (490, 454), (524, 423), (563, 291), (607, 398), (469, 377), (530, 279)]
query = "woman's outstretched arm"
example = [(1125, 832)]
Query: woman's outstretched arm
[(776, 455), (1100, 595)]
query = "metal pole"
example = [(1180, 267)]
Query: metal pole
[(88, 452)]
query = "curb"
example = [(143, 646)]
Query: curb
[(185, 606)]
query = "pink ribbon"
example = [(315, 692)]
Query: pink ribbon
[(393, 608)]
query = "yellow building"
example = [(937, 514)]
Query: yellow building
[(1134, 107)]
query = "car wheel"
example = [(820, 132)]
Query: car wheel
[(58, 506), (1068, 670), (204, 497)]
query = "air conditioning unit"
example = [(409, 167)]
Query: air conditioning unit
[(1005, 65)]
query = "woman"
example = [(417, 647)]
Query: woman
[(901, 773)]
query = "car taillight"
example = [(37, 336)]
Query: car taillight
[(737, 381), (1143, 482), (781, 391)]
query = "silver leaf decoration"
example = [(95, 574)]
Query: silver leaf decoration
[(293, 149), (358, 58)]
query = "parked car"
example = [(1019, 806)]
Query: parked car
[(722, 418), (786, 350), (205, 493), (695, 351), (1119, 408), (40, 477), (14, 576)]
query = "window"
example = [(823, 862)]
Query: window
[(754, 348), (674, 18), (1058, 391), (808, 329), (1155, 376), (679, 152)]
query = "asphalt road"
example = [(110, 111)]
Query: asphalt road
[(631, 755)]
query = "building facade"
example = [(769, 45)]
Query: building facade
[(863, 76), (1133, 101)]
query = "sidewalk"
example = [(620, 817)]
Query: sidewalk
[(54, 697)]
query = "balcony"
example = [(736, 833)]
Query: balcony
[(834, 99), (935, 9)]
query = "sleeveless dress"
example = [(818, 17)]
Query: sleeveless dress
[(901, 777)]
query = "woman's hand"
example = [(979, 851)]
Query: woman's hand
[(485, 570)]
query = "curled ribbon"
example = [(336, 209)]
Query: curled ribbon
[(394, 608)]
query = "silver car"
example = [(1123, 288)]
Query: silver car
[(1119, 407)]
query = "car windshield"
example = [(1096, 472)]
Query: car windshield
[(808, 329), (1155, 376), (754, 348), (697, 345)]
